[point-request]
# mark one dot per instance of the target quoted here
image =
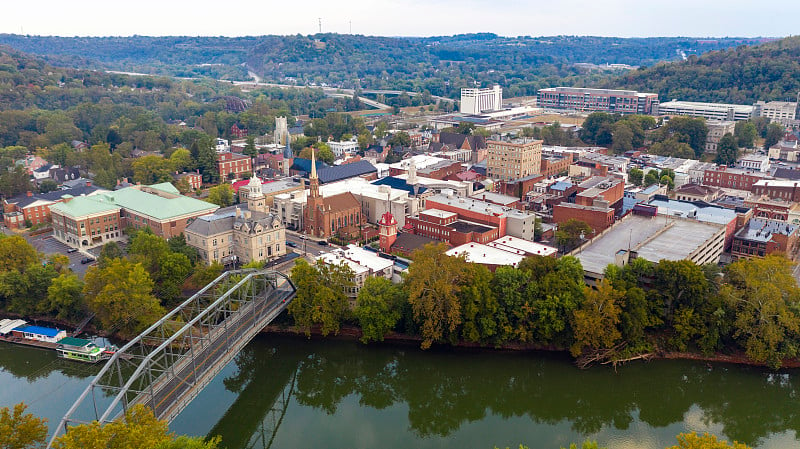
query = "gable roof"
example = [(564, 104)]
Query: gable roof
[(304, 165), (341, 201), (23, 201), (787, 173), (345, 171), (462, 140)]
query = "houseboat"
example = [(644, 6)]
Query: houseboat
[(83, 350), (18, 331)]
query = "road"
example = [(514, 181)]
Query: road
[(311, 247)]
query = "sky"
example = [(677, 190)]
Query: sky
[(623, 18)]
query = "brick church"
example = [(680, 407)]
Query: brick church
[(337, 215)]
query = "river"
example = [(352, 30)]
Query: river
[(285, 392)]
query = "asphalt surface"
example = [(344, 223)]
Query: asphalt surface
[(47, 244), (311, 247)]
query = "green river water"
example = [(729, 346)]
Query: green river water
[(284, 392)]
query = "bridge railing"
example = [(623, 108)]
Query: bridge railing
[(173, 359)]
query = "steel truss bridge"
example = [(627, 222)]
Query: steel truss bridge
[(170, 363)]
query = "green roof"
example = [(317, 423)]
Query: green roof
[(84, 205), (72, 341), (166, 187), (159, 207)]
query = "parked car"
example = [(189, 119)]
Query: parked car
[(86, 260), (323, 242), (72, 250), (291, 244)]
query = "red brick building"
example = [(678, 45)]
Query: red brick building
[(555, 164), (35, 207), (445, 226), (732, 178), (194, 179), (778, 189), (597, 217), (763, 237), (238, 133), (232, 164)]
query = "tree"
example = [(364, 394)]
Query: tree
[(673, 147), (596, 321), (706, 441), (693, 130), (650, 178), (479, 306), (20, 430), (221, 195), (17, 253), (635, 176), (571, 232), (183, 186), (121, 296), (250, 147), (65, 296), (765, 298), (622, 140), (204, 154), (597, 128), (48, 185), (321, 298), (400, 139), (139, 430), (745, 132), (152, 169), (15, 181), (555, 291), (181, 160), (433, 284), (774, 134), (727, 150), (378, 308), (108, 252)]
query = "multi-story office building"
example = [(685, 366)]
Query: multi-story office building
[(229, 236), (507, 160), (709, 111), (478, 101), (605, 100)]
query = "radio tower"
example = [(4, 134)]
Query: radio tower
[(320, 25)]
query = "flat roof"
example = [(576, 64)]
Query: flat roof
[(497, 198), (527, 247), (760, 230), (439, 213), (483, 207), (696, 105), (710, 214), (366, 258), (39, 330), (487, 255), (654, 238), (8, 325)]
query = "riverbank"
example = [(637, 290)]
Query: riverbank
[(354, 333)]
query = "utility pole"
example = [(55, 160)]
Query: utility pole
[(351, 26), (320, 25)]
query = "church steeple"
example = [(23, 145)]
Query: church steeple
[(312, 178)]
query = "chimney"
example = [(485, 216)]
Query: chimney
[(88, 183), (238, 212)]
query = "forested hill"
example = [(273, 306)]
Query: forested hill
[(745, 74), (441, 65)]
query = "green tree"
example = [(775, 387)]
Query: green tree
[(516, 317), (745, 132), (48, 185), (65, 296), (650, 178), (596, 321), (139, 430), (181, 160), (706, 441), (552, 298), (673, 147), (635, 176), (693, 130), (622, 139), (479, 306), (727, 150), (204, 154), (597, 128), (250, 147), (16, 252), (321, 298), (433, 282), (183, 186), (20, 430), (571, 232), (400, 139), (774, 134), (765, 298), (378, 308), (121, 296), (108, 252), (221, 195), (152, 169)]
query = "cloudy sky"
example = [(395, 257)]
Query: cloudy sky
[(625, 18)]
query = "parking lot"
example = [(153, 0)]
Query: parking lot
[(46, 244)]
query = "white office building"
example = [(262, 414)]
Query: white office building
[(478, 101), (339, 149), (776, 110), (709, 111)]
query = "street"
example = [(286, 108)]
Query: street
[(312, 248)]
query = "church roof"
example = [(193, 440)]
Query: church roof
[(341, 201)]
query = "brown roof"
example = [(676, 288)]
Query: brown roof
[(341, 201), (695, 189)]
